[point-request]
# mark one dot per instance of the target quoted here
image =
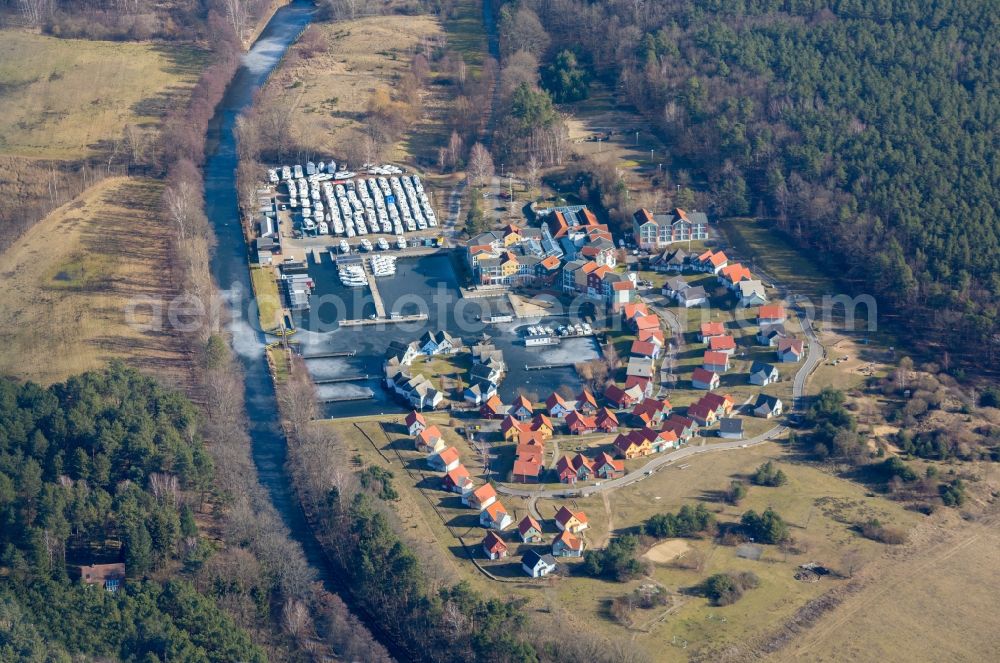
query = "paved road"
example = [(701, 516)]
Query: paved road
[(815, 354)]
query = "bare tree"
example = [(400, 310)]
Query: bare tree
[(35, 11), (480, 165), (533, 175), (238, 15)]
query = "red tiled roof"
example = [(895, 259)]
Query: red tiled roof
[(722, 343), (449, 455), (429, 434), (623, 285), (493, 543), (569, 540), (528, 468), (415, 417), (712, 329), (715, 358), (643, 348), (484, 492), (771, 312), (586, 397), (703, 376), (528, 523), (647, 322), (632, 310)]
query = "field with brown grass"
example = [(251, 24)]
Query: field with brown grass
[(327, 92), (69, 279)]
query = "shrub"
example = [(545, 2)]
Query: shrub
[(769, 475), (728, 588)]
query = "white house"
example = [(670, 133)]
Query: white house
[(536, 565), (752, 293), (762, 374), (444, 461), (435, 343), (767, 406), (495, 517), (415, 423)]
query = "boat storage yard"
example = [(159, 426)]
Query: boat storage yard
[(361, 221)]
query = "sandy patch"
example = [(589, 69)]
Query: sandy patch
[(667, 551)]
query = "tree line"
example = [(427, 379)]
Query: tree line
[(863, 129)]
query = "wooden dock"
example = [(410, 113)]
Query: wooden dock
[(346, 378), (345, 399), (396, 319), (329, 355), (373, 286), (542, 367)]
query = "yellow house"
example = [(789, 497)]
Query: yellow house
[(568, 521), (509, 264), (542, 425), (512, 235)]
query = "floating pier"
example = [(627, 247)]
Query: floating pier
[(346, 378), (328, 355), (542, 367)]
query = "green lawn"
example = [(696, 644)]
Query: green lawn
[(268, 300)]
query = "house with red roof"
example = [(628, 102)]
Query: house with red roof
[(717, 362), (665, 439), (457, 481), (645, 349), (606, 467), (732, 275), (790, 350), (645, 322), (495, 517), (565, 471), (712, 261), (444, 461), (640, 386), (725, 344), (710, 330), (723, 404), (415, 422), (557, 406), (526, 469), (583, 466), (703, 413), (570, 521), (632, 445), (542, 425), (567, 544), (651, 335), (493, 546), (651, 412), (481, 497), (772, 314), (529, 530), (682, 426), (606, 421), (511, 428), (493, 408), (579, 424), (521, 408), (634, 310), (702, 379), (429, 440), (586, 403)]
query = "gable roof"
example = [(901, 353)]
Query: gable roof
[(604, 415), (493, 403), (484, 492), (522, 401), (771, 312), (643, 348), (449, 455), (604, 458), (730, 425), (564, 515), (793, 344), (429, 434), (722, 343), (532, 558), (458, 475), (703, 376), (528, 523), (496, 511), (715, 358), (765, 399), (493, 543), (762, 367), (585, 397), (715, 401), (415, 417), (569, 540), (554, 400), (530, 466), (713, 329), (574, 418)]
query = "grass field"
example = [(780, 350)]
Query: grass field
[(328, 94), (65, 98), (821, 509), (267, 297), (69, 279)]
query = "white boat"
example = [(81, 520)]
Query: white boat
[(400, 241), (298, 172), (323, 228), (343, 175), (352, 275), (286, 173), (383, 265), (366, 245), (382, 244), (344, 246), (272, 175)]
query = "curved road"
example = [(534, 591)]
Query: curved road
[(814, 355)]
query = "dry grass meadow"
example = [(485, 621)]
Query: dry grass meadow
[(327, 94), (69, 278), (64, 98)]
